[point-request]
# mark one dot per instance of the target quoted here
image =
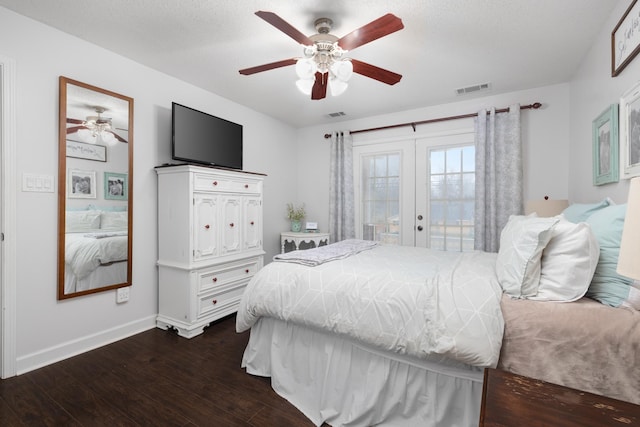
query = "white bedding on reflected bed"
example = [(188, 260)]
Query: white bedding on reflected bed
[(104, 275)]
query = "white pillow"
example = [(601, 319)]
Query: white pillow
[(76, 221), (518, 263), (114, 221), (568, 262)]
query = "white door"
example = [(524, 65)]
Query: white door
[(384, 181), (445, 192), (417, 192)]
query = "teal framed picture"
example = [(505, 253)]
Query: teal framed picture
[(116, 186), (605, 147)]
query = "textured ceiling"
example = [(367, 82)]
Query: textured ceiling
[(445, 45)]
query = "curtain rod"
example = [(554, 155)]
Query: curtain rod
[(533, 106)]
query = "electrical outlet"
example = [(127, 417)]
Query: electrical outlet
[(122, 295)]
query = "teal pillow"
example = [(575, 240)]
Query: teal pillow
[(607, 286), (579, 212)]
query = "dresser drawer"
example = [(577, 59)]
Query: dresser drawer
[(204, 182), (209, 279), (219, 301)]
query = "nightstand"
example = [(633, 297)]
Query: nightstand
[(291, 241)]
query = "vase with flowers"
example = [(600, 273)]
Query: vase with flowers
[(295, 215)]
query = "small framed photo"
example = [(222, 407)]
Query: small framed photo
[(605, 147), (116, 186), (82, 184), (625, 39), (630, 132), (80, 150)]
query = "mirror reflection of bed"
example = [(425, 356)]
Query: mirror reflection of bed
[(95, 172), (96, 245)]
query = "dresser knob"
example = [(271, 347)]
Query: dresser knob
[(207, 227), (231, 225), (246, 271), (215, 183), (246, 186), (215, 279), (251, 222), (215, 301)]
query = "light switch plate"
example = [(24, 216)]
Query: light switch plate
[(38, 183)]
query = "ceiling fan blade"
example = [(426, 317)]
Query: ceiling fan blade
[(376, 73), (319, 90), (118, 137), (75, 121), (285, 27), (381, 27), (75, 129), (266, 67)]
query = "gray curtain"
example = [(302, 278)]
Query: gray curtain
[(498, 175), (341, 193)]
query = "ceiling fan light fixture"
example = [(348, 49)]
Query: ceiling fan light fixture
[(88, 136), (305, 85), (306, 68), (342, 70)]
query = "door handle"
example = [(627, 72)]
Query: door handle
[(420, 228), (420, 217)]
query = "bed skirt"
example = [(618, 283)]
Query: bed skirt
[(334, 380)]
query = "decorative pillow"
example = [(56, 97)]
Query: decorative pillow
[(76, 221), (568, 262), (579, 212), (113, 221), (518, 263), (607, 286)]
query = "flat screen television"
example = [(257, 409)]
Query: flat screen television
[(205, 139)]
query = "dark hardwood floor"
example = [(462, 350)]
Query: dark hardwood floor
[(155, 378)]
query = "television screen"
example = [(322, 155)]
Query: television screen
[(205, 139)]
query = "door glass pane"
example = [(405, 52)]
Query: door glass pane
[(381, 198), (452, 198)]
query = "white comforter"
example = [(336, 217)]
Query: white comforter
[(84, 254), (423, 303)]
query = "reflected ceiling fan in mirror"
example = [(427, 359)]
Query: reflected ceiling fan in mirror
[(324, 63), (94, 127)]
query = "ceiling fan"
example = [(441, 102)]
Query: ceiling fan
[(324, 63), (94, 126)]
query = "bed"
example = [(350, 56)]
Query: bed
[(359, 334), (96, 249)]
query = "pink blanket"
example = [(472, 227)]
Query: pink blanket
[(583, 345)]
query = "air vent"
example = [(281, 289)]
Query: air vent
[(473, 88), (338, 114)]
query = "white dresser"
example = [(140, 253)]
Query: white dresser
[(210, 243)]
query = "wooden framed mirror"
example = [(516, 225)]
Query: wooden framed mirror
[(95, 183)]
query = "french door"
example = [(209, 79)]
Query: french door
[(417, 192)]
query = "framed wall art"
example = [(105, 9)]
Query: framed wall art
[(81, 150), (605, 147), (630, 132), (625, 39), (82, 184), (115, 186)]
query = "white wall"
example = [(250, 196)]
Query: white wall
[(48, 329), (592, 91), (545, 136)]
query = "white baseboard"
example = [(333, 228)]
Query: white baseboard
[(69, 349)]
